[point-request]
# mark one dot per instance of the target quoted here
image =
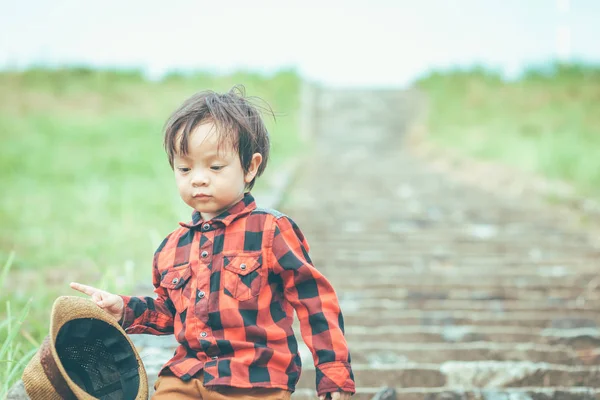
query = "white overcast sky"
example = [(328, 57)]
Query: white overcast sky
[(340, 42)]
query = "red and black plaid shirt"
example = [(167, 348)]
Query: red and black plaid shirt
[(227, 288)]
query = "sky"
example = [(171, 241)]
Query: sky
[(335, 42)]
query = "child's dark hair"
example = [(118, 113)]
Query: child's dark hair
[(236, 119)]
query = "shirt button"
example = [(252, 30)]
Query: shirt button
[(174, 281), (243, 267), (205, 227), (201, 294), (203, 334), (204, 254)]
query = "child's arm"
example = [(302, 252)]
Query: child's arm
[(316, 304)]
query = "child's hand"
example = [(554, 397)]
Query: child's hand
[(336, 396), (111, 303)]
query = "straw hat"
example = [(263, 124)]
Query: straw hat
[(86, 356)]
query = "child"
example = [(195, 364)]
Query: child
[(227, 282)]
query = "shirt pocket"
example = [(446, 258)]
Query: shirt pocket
[(242, 275), (175, 281)]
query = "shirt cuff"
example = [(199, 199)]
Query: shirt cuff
[(335, 376), (128, 316)]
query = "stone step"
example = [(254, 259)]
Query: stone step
[(540, 319), (466, 260), (411, 335), (484, 250), (446, 393), (435, 272), (392, 352), (353, 309), (347, 280), (437, 266), (495, 374), (418, 228), (473, 293), (383, 305), (373, 257), (452, 283), (425, 230), (407, 233)]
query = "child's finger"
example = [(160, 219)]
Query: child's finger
[(109, 299), (97, 298), (83, 288)]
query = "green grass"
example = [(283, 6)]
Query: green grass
[(14, 353), (88, 193), (547, 122)]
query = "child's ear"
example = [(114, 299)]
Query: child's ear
[(253, 167)]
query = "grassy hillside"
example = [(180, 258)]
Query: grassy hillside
[(546, 122), (88, 193)]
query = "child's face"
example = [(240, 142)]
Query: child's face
[(210, 178)]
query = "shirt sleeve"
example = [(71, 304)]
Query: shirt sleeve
[(143, 314), (317, 307)]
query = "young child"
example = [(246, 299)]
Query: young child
[(228, 282)]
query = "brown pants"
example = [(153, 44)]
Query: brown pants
[(170, 387)]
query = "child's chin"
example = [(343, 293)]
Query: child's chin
[(207, 211)]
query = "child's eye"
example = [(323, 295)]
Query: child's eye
[(183, 169), (216, 167)]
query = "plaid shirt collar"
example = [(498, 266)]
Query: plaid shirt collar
[(244, 207)]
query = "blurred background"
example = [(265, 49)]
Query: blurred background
[(85, 89)]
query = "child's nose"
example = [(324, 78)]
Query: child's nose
[(199, 178)]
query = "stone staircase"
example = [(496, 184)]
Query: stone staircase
[(448, 292)]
